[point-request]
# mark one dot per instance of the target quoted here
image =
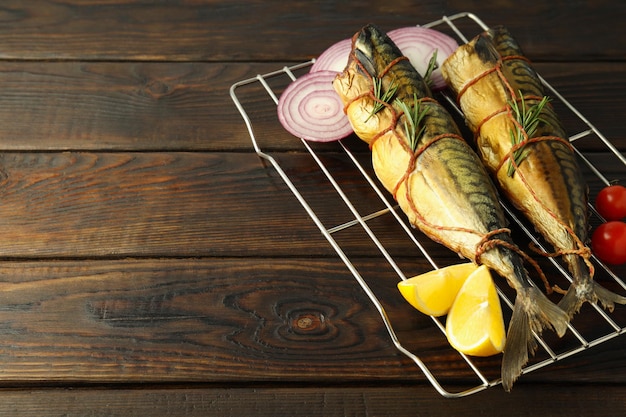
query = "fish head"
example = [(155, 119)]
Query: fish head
[(485, 48), (373, 49), (376, 56)]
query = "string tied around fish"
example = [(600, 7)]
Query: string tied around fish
[(525, 121), (383, 99), (414, 144)]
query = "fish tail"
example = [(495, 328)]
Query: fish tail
[(607, 298), (584, 289), (588, 291), (532, 312)]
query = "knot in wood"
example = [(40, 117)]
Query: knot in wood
[(308, 322), (156, 89)]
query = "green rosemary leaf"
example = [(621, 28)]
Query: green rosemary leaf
[(528, 119), (409, 126), (511, 167), (413, 121), (383, 96), (432, 66)]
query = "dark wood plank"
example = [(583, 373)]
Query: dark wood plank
[(394, 401), (60, 106), (267, 30), (80, 204), (188, 320), (158, 106), (232, 319), (145, 204)]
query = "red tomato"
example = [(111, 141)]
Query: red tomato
[(611, 202), (608, 242)]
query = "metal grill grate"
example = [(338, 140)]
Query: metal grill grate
[(579, 339)]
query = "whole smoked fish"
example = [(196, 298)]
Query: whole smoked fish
[(438, 180), (522, 143)]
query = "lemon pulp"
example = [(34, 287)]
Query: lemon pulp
[(433, 292), (475, 325)]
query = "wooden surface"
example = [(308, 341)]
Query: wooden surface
[(152, 264)]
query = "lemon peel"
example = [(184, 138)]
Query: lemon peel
[(433, 292)]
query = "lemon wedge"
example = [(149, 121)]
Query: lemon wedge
[(433, 292), (475, 325)]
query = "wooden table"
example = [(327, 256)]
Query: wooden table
[(153, 265)]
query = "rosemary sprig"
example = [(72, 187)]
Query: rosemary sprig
[(382, 97), (528, 118), (432, 66), (413, 120)]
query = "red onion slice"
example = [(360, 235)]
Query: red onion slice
[(335, 58), (311, 109), (418, 44)]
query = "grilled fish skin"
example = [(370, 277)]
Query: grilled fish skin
[(440, 183), (547, 186)]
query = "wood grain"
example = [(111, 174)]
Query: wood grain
[(147, 204), (392, 401), (229, 320), (157, 106), (82, 204), (223, 30), (122, 106), (152, 264), (185, 320)]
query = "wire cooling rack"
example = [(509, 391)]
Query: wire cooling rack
[(593, 328)]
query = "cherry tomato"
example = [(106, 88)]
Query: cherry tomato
[(608, 242), (611, 202)]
